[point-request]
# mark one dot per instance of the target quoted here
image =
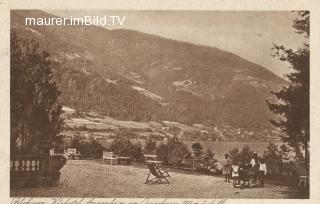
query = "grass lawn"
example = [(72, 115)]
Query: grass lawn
[(82, 178)]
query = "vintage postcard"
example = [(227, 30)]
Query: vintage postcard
[(159, 102)]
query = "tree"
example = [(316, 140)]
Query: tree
[(91, 149), (173, 152), (209, 154), (150, 146), (34, 109), (196, 146), (207, 159), (125, 148), (235, 154), (293, 103), (121, 146), (58, 144), (273, 159), (136, 152), (245, 155), (76, 141)]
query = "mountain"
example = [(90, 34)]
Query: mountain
[(129, 75)]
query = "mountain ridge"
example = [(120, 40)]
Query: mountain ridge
[(199, 84)]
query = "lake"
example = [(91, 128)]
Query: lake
[(219, 148)]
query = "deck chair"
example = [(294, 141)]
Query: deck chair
[(156, 175)]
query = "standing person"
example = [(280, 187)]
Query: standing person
[(255, 172), (254, 159), (254, 168), (226, 162), (262, 171)]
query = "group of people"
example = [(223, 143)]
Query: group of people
[(244, 173)]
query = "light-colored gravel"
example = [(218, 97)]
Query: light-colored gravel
[(95, 179)]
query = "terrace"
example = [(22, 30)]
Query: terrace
[(89, 178)]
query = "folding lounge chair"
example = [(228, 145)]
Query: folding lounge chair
[(156, 175)]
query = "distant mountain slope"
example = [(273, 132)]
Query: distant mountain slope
[(130, 75)]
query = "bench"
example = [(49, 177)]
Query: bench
[(151, 158), (124, 160), (72, 153), (110, 156)]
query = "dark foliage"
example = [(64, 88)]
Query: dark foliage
[(87, 149), (245, 155), (34, 109), (173, 152), (150, 146), (197, 146), (124, 147), (294, 100)]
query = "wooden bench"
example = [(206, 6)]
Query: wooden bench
[(124, 160), (110, 156), (72, 153), (151, 158)]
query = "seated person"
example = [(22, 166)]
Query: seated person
[(235, 173), (244, 173), (235, 170)]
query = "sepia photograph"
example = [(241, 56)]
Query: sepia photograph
[(160, 104)]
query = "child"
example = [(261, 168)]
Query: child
[(262, 171), (235, 173), (226, 168)]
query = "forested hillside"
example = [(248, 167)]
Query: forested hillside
[(135, 76)]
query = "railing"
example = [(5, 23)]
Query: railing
[(35, 170), (29, 165)]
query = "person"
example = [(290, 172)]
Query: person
[(262, 171), (254, 159), (254, 168), (246, 174), (255, 172), (226, 168), (235, 169), (235, 173)]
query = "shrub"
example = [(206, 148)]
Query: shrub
[(197, 146), (244, 155), (273, 159), (277, 160), (87, 149), (163, 153), (279, 163), (121, 147), (173, 152), (75, 142), (125, 148), (91, 149), (150, 146), (136, 153), (208, 159)]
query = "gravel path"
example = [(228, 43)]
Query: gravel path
[(94, 179)]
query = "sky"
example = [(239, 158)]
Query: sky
[(249, 34)]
